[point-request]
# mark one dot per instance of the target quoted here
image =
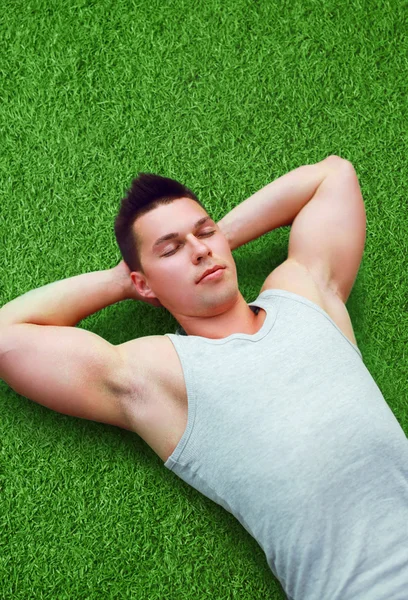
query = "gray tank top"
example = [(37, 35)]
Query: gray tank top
[(288, 431)]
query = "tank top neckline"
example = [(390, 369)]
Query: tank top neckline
[(266, 326)]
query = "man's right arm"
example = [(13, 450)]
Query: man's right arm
[(67, 369), (45, 358), (66, 302)]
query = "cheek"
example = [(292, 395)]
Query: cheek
[(223, 248), (169, 272)]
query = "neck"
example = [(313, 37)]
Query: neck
[(240, 318)]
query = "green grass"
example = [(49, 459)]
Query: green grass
[(225, 97)]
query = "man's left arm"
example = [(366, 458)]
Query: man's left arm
[(275, 205), (324, 205)]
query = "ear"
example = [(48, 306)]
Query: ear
[(141, 285)]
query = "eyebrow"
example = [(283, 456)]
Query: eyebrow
[(171, 236)]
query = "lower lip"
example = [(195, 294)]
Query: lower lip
[(215, 275)]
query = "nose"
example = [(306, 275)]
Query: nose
[(199, 248)]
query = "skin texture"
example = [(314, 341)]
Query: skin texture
[(212, 309)]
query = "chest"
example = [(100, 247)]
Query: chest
[(161, 413), (171, 373)]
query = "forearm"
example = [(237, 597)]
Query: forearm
[(273, 206), (65, 302)]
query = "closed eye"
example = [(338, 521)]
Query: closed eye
[(201, 235)]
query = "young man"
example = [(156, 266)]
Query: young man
[(266, 408)]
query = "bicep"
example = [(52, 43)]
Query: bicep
[(67, 369), (328, 235)]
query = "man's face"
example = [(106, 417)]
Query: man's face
[(172, 267)]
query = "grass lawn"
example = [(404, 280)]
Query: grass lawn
[(224, 97)]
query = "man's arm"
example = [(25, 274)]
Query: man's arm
[(328, 231), (68, 301), (45, 358), (275, 205)]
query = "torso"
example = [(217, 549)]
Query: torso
[(158, 414)]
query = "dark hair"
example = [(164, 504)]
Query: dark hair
[(146, 193)]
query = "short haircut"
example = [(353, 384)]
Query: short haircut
[(147, 192)]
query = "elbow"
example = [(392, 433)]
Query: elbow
[(335, 162)]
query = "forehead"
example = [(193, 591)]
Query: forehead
[(178, 216)]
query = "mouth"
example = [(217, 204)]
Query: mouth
[(214, 273)]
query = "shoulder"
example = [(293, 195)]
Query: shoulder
[(292, 276)]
